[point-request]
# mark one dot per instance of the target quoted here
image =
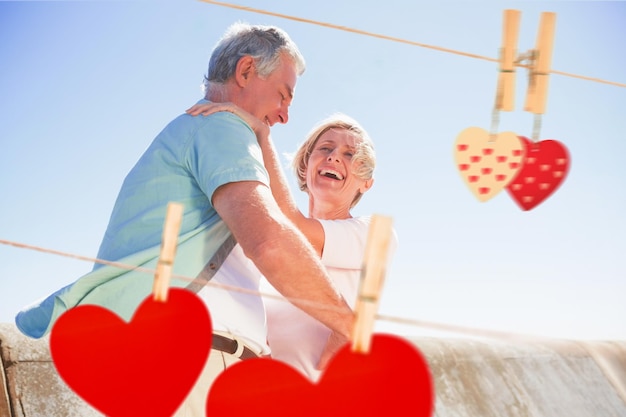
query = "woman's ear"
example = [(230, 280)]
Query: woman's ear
[(366, 185), (244, 70)]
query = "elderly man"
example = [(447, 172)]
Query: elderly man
[(213, 165)]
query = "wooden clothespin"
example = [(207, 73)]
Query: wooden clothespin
[(372, 278), (169, 241), (506, 80), (540, 69)]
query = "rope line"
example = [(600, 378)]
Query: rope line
[(152, 271), (442, 327), (466, 330), (400, 40)]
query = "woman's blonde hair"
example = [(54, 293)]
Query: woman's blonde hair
[(363, 161)]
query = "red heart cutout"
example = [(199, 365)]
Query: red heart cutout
[(545, 166), (393, 379), (126, 369)]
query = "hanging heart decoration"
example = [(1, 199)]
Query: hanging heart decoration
[(126, 369), (545, 167), (392, 379), (487, 163)]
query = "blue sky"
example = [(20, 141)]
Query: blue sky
[(86, 86)]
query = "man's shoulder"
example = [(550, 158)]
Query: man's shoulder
[(222, 126)]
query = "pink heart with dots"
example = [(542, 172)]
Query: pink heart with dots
[(487, 163)]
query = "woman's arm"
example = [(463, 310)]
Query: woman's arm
[(311, 228)]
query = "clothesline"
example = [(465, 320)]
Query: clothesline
[(401, 40), (441, 327)]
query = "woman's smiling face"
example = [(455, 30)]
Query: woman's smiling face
[(329, 175)]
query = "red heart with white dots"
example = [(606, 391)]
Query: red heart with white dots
[(487, 163), (392, 379), (132, 369), (545, 166)]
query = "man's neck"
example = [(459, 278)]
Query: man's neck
[(218, 94)]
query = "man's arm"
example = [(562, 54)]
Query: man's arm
[(282, 254), (311, 228)]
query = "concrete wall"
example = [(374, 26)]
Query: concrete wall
[(30, 385), (550, 379), (472, 379)]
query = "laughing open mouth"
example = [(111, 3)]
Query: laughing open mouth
[(331, 174)]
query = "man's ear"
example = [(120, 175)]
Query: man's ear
[(244, 70), (366, 185)]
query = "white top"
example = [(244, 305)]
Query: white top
[(295, 337), (239, 313)]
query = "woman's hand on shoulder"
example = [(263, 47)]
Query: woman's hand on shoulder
[(260, 128)]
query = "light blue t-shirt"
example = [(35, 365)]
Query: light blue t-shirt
[(185, 163)]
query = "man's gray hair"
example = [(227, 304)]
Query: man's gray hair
[(265, 44)]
